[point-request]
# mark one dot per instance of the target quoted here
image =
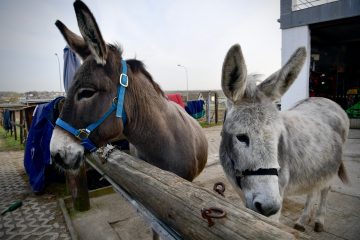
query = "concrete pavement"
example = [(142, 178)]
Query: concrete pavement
[(39, 217)]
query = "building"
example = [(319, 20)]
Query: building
[(330, 31)]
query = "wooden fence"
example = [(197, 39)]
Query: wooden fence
[(178, 209), (20, 119)]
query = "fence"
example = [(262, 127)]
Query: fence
[(215, 108), (20, 117), (178, 209)]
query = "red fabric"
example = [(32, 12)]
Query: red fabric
[(176, 98)]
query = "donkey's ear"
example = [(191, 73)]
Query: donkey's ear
[(90, 32), (279, 82), (233, 79), (74, 41)]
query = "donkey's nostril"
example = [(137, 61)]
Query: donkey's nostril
[(57, 157), (259, 207), (265, 209), (58, 160)]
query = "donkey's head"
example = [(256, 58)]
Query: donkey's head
[(252, 130), (92, 93)]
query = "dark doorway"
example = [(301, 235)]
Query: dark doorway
[(335, 63)]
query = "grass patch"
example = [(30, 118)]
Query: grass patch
[(8, 143), (206, 125)]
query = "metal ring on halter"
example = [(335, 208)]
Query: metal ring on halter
[(83, 133), (115, 100), (127, 80)]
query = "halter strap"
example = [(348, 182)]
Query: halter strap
[(124, 81), (260, 171), (83, 133)]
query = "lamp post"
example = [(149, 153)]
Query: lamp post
[(187, 81), (59, 69)]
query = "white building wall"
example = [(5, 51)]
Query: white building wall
[(293, 38)]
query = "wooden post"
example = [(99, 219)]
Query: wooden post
[(21, 127), (208, 101), (216, 108), (28, 116), (179, 203), (11, 121), (14, 124), (77, 185), (24, 125)]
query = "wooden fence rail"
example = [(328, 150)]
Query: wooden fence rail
[(178, 203), (20, 119)]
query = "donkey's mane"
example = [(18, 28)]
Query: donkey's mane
[(137, 66)]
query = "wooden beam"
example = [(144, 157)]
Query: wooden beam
[(14, 125), (178, 203), (216, 108), (77, 185), (21, 127)]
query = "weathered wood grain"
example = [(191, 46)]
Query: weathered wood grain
[(178, 203)]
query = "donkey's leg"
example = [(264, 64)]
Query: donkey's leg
[(306, 214), (320, 214)]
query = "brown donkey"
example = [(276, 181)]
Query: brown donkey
[(162, 132)]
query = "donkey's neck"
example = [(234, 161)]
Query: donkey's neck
[(146, 110)]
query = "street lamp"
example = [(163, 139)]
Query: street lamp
[(187, 81), (59, 69)]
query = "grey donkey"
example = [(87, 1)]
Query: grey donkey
[(266, 153)]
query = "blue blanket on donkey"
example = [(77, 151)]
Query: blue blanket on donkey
[(37, 150), (195, 108)]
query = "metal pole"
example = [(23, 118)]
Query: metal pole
[(59, 69), (187, 81)]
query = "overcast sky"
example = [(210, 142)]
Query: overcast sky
[(161, 33)]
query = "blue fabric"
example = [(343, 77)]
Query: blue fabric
[(71, 64), (83, 134), (7, 120), (124, 81), (195, 108), (64, 125), (37, 149), (94, 125)]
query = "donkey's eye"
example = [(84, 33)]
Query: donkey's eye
[(85, 93), (243, 138)]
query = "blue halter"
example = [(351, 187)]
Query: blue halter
[(83, 133)]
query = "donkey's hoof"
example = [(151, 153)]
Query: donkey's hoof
[(319, 227), (299, 227)]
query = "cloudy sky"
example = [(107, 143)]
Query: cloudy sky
[(161, 33)]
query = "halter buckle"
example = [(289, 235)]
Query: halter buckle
[(124, 76), (83, 134)]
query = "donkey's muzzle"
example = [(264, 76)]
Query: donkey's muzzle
[(266, 209), (67, 164)]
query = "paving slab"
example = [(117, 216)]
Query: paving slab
[(39, 216), (112, 215)]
